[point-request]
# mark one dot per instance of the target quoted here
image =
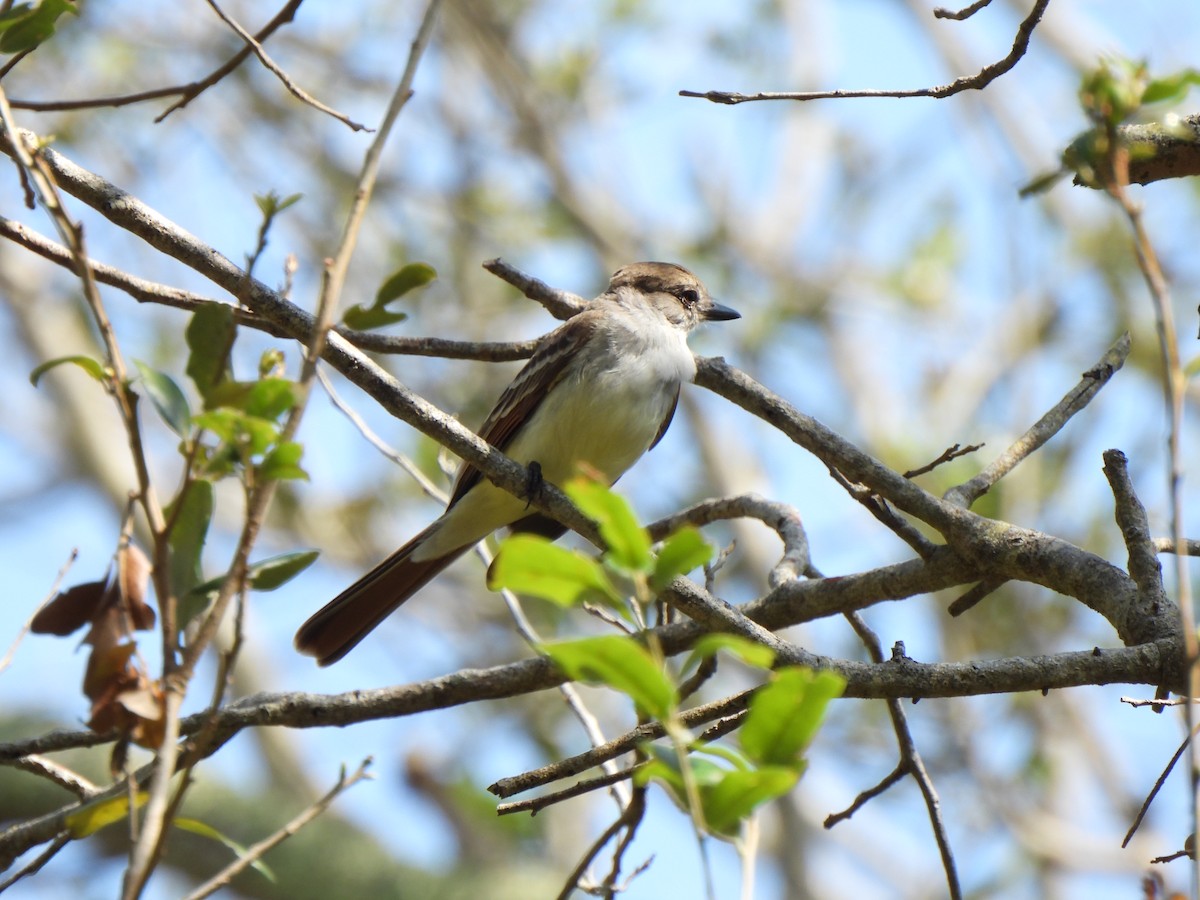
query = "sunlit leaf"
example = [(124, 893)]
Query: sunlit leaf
[(283, 462), (785, 714), (251, 434), (210, 334), (133, 577), (24, 27), (1172, 88), (532, 565), (271, 204), (91, 817), (363, 318), (195, 826), (622, 664), (276, 571), (270, 398), (89, 365), (683, 551), (748, 651), (189, 531), (627, 542), (413, 275), (739, 792)]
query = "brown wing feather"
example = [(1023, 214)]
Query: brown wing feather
[(521, 398), (666, 422)]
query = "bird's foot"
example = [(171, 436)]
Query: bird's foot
[(533, 482)]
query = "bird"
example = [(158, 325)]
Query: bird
[(598, 392)]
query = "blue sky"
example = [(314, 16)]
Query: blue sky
[(646, 146)]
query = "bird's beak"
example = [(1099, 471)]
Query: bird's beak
[(715, 312)]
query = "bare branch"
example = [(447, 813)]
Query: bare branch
[(1046, 427), (966, 12), (911, 763), (976, 82), (947, 455), (65, 778), (561, 304), (294, 89), (257, 851), (783, 519), (186, 92), (1144, 567)]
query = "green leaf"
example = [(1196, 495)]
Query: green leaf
[(24, 27), (413, 275), (91, 817), (167, 398), (263, 576), (195, 826), (267, 398), (1172, 88), (665, 768), (89, 365), (785, 714), (532, 565), (277, 571), (271, 204), (189, 531), (363, 318), (210, 335), (249, 433), (748, 651), (283, 462), (627, 542), (270, 398), (730, 801), (683, 551), (622, 664)]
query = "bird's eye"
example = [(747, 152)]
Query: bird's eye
[(689, 296)]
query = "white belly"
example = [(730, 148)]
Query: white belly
[(606, 417)]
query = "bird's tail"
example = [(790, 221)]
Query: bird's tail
[(337, 627)]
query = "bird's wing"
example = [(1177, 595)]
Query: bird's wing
[(533, 383), (666, 422)]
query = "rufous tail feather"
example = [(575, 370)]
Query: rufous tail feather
[(337, 627)]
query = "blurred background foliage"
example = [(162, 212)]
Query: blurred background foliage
[(891, 283)]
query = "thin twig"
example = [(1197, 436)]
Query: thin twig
[(976, 82), (1144, 566), (966, 12), (1158, 784), (294, 89), (866, 796), (560, 304), (185, 92), (256, 851), (65, 778), (1046, 427), (629, 819), (972, 597), (36, 864), (7, 659), (911, 762), (947, 455), (166, 295), (783, 519), (1174, 391), (1190, 546)]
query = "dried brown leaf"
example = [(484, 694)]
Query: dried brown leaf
[(133, 571), (71, 609)]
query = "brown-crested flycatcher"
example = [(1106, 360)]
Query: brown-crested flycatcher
[(601, 389)]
